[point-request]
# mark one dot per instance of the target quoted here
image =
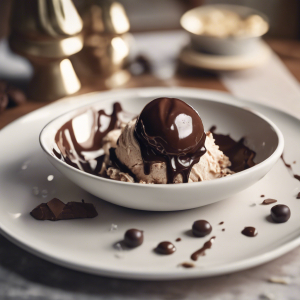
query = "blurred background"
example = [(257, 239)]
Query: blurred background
[(147, 15)]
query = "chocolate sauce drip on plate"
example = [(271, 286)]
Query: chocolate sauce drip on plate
[(187, 265), (165, 248), (169, 130), (178, 240), (289, 167), (221, 223), (223, 229), (133, 238), (201, 251), (298, 196), (240, 156), (249, 231), (285, 163), (268, 201), (55, 210), (87, 155)]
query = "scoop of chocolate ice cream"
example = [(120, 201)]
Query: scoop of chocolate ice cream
[(169, 130)]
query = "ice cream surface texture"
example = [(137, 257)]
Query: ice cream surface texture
[(213, 164)]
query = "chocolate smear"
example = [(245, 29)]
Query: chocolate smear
[(169, 130), (55, 210), (201, 251), (178, 240), (221, 223), (240, 156), (223, 229), (262, 196), (268, 201), (88, 156), (187, 265), (249, 231), (298, 196)]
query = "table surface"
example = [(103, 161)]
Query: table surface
[(24, 276)]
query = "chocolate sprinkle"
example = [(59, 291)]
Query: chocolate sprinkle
[(55, 210)]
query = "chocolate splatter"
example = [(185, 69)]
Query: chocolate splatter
[(201, 251)]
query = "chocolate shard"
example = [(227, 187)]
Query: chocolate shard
[(56, 207), (78, 210), (43, 212), (56, 210), (268, 201)]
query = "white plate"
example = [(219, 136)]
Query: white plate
[(87, 244)]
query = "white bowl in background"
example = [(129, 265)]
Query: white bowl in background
[(231, 45), (261, 135)]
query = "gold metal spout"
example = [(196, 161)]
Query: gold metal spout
[(106, 43), (47, 33)]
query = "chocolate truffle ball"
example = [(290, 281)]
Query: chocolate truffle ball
[(133, 238), (201, 228), (280, 213)]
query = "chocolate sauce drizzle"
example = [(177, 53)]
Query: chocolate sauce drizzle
[(240, 156), (75, 154), (201, 251), (169, 130), (289, 167)]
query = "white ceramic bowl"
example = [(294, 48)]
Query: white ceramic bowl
[(262, 136), (232, 45)]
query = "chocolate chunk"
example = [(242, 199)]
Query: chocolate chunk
[(249, 231), (56, 210), (298, 196), (42, 212), (165, 248), (268, 201), (133, 238), (56, 207), (280, 213), (10, 96), (201, 228), (3, 101)]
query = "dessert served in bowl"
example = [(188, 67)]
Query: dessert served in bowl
[(162, 159)]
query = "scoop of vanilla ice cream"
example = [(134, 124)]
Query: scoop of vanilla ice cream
[(213, 164)]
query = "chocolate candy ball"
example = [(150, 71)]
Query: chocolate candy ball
[(133, 238), (280, 213), (201, 228)]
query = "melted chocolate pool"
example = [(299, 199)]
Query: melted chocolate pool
[(240, 156)]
